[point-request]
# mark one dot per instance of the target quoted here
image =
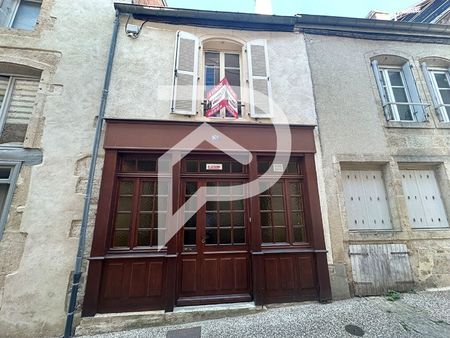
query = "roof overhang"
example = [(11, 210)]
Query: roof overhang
[(312, 24)]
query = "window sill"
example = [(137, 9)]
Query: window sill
[(411, 125), (431, 229), (443, 125), (373, 231)]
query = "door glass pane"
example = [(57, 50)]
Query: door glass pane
[(225, 236), (120, 238), (239, 235), (192, 166), (211, 236), (190, 228), (267, 235), (146, 165), (225, 219), (144, 238), (280, 234), (299, 234)]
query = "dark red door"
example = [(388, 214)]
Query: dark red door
[(214, 265)]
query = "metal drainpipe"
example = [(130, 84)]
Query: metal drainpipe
[(87, 199)]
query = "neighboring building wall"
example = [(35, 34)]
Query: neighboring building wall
[(355, 134), (69, 46)]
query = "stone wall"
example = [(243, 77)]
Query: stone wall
[(353, 129), (69, 46)]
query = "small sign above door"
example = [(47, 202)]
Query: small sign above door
[(214, 166), (278, 167)]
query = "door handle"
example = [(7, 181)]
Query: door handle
[(203, 241)]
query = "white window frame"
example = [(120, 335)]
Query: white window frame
[(16, 9), (390, 93), (441, 106), (221, 76), (4, 106), (11, 180)]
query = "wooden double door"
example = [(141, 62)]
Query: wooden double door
[(214, 264)]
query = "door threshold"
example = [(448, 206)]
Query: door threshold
[(215, 307)]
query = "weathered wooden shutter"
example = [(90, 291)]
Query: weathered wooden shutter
[(377, 268), (419, 111), (184, 93), (366, 200), (18, 106), (384, 99), (4, 81), (7, 8), (259, 80), (423, 199)]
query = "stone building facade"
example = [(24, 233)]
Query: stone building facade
[(370, 141), (46, 55), (59, 63)]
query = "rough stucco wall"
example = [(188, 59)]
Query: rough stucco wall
[(135, 65), (38, 249), (39, 246), (347, 97)]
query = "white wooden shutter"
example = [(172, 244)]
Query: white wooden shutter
[(432, 90), (184, 93), (366, 200), (259, 80), (384, 99), (7, 8), (4, 81), (21, 102), (423, 199), (419, 111)]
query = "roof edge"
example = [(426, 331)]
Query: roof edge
[(314, 24)]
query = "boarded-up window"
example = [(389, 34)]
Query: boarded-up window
[(366, 200), (423, 199), (17, 98), (377, 268)]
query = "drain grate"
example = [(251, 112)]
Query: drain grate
[(192, 332), (354, 330)]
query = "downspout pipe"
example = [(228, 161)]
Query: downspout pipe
[(90, 183)]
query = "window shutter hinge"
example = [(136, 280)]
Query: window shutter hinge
[(176, 72)]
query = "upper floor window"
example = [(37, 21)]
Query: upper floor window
[(222, 65), (398, 91), (17, 98), (438, 82), (196, 74), (19, 14)]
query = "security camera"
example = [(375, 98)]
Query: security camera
[(132, 31)]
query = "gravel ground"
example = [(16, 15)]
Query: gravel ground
[(425, 314)]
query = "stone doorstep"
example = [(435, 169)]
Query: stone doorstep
[(115, 322)]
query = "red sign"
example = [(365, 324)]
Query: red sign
[(222, 96)]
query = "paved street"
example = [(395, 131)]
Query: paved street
[(425, 314)]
